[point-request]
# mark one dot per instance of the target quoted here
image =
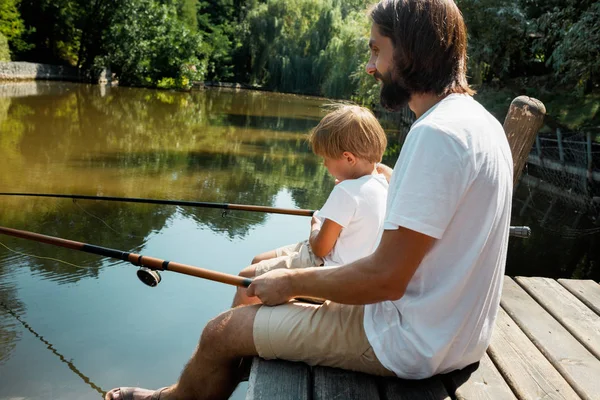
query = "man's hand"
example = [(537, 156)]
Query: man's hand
[(272, 288)]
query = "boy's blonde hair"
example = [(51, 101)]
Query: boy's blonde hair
[(349, 128)]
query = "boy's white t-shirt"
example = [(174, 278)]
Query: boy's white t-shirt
[(358, 205), (453, 182)]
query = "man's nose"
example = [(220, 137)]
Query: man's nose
[(370, 68)]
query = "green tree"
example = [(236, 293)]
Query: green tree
[(4, 51), (569, 39), (148, 46), (499, 44), (219, 20), (11, 24), (96, 19), (55, 32), (285, 40), (186, 11), (346, 55)]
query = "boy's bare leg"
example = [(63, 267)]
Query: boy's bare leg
[(264, 256), (240, 297), (213, 371)]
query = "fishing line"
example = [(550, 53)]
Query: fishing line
[(227, 214), (224, 214), (106, 224), (42, 257), (50, 347)]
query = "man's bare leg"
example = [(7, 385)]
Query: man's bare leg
[(213, 371)]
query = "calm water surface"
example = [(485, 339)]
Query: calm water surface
[(71, 330)]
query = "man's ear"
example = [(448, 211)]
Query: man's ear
[(349, 157)]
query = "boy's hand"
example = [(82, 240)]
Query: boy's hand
[(272, 288), (315, 223), (384, 170)]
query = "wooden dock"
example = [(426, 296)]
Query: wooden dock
[(546, 345)]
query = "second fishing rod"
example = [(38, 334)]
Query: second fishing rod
[(200, 204), (516, 231)]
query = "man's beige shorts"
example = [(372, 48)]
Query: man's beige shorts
[(328, 334), (298, 255)]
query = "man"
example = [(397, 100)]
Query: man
[(425, 301)]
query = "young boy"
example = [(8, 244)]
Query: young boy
[(351, 143)]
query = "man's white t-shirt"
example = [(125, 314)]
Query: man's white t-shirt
[(358, 205), (453, 182)]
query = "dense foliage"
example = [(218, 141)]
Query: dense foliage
[(305, 46), (147, 45), (511, 38), (4, 52)]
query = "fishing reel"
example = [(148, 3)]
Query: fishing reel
[(148, 276)]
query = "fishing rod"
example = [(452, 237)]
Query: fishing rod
[(149, 266), (204, 204), (516, 231)]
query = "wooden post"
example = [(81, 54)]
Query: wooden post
[(523, 121)]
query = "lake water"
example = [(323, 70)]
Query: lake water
[(72, 329)]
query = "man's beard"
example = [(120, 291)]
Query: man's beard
[(393, 96)]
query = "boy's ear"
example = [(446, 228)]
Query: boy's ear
[(350, 158)]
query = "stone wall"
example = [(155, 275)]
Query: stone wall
[(18, 71)]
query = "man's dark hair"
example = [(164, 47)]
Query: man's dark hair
[(430, 44)]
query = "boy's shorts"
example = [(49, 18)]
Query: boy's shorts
[(298, 255), (329, 334)]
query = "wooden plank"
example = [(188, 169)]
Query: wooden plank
[(480, 381), (529, 374), (574, 362), (277, 379), (579, 320), (587, 291), (401, 389), (335, 383)]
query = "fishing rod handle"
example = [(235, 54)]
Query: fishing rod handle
[(523, 232), (135, 259), (163, 265)]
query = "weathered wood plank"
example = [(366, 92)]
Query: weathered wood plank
[(587, 291), (276, 379), (574, 362), (335, 383), (400, 389), (480, 381), (579, 320), (529, 374)]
